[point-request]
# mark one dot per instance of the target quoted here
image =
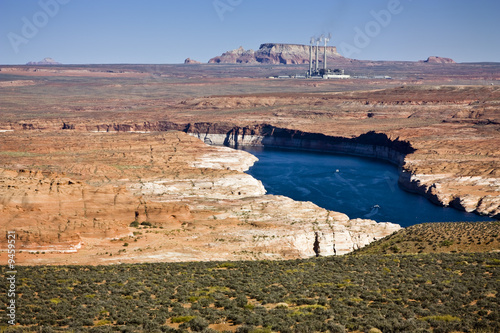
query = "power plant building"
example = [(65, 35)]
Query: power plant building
[(324, 72)]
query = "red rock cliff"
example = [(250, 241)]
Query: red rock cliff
[(272, 53)]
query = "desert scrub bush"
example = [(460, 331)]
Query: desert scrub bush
[(197, 324), (181, 319), (446, 242), (333, 327)]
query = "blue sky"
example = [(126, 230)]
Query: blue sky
[(168, 31)]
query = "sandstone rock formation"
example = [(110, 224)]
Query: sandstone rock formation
[(81, 194), (452, 130), (273, 53), (439, 60)]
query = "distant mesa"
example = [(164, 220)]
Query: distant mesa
[(438, 60), (191, 61), (45, 61), (273, 53)]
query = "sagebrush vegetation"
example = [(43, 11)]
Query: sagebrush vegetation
[(392, 293)]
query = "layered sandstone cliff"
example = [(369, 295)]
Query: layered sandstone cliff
[(451, 158), (82, 194), (467, 179), (442, 182), (274, 53)]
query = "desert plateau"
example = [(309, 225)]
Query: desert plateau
[(96, 157), (253, 166), (118, 179)]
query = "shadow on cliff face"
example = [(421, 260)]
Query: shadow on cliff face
[(269, 135), (381, 139), (232, 135)]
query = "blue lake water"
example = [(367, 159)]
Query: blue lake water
[(357, 186)]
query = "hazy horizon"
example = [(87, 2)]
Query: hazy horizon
[(160, 32)]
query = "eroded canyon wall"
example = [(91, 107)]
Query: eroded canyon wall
[(82, 194), (471, 193), (444, 182)]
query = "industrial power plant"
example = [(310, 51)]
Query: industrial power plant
[(314, 71), (324, 72)]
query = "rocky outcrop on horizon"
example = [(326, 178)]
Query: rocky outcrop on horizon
[(438, 60), (274, 53), (190, 61), (45, 61)]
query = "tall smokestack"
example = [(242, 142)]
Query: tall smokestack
[(317, 49), (326, 39), (311, 56), (324, 60)]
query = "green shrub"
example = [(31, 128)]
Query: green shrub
[(335, 328), (227, 265), (182, 319), (198, 324), (103, 322), (446, 242), (446, 318), (395, 249)]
